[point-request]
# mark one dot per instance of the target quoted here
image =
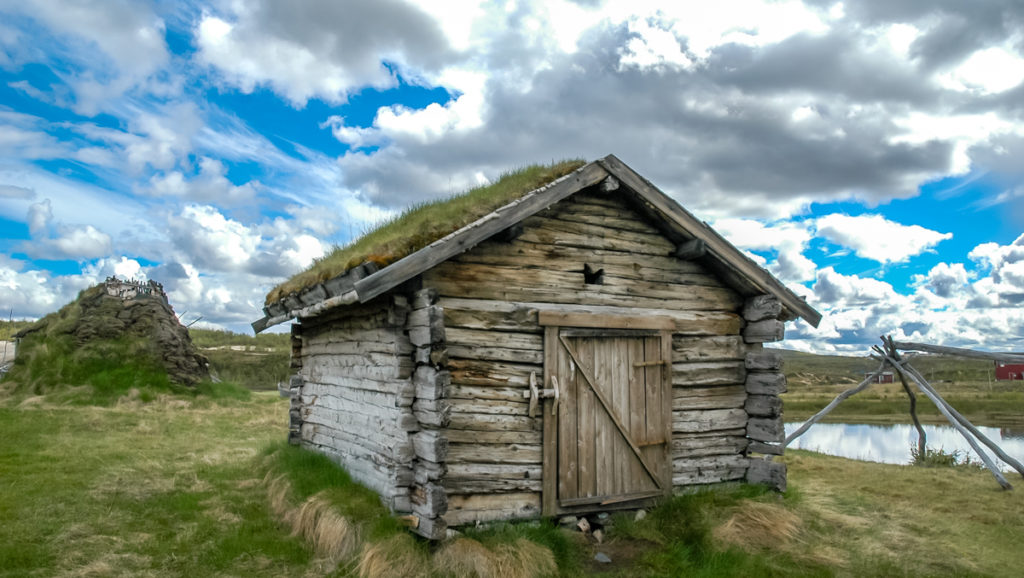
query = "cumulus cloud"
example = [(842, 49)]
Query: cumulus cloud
[(945, 280), (877, 238), (204, 237), (323, 50), (787, 239), (210, 185)]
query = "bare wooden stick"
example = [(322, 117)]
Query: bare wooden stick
[(939, 403), (922, 438), (970, 427), (959, 352), (828, 408)]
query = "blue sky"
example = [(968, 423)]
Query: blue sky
[(868, 156)]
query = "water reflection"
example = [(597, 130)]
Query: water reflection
[(891, 444)]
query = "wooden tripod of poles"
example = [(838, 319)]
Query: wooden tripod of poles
[(888, 355)]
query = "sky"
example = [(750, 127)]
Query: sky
[(869, 154)]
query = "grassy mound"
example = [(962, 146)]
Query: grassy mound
[(98, 349), (423, 224)]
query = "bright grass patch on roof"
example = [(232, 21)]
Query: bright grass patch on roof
[(421, 225)]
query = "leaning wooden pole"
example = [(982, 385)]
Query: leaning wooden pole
[(922, 437), (1015, 464), (939, 403), (828, 408)]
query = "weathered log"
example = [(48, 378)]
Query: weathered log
[(764, 331), (431, 528), (708, 420), (762, 307), (764, 360), (493, 454), (708, 373), (494, 437), (700, 446), (430, 383), (426, 326), (768, 473), (765, 383), (492, 485), (711, 348), (763, 405), (428, 500), (467, 509), (493, 422), (756, 447), (430, 445), (717, 397), (765, 429), (425, 471), (507, 316), (709, 470)]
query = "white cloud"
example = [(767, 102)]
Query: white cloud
[(39, 217), (211, 185), (987, 71), (944, 280), (212, 240), (325, 50), (84, 242), (788, 238), (877, 238), (71, 242), (116, 45), (654, 48), (294, 70)]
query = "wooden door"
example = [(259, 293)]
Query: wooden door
[(612, 427)]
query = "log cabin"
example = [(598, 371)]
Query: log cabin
[(585, 345)]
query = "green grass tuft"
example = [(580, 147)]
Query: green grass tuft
[(423, 224), (311, 473)]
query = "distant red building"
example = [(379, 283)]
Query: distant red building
[(1009, 371), (884, 377)]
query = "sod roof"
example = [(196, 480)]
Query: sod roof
[(422, 224)]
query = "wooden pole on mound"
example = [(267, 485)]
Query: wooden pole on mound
[(922, 438)]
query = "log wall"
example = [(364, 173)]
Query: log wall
[(591, 254), (354, 394)]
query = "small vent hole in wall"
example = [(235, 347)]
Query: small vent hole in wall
[(592, 277)]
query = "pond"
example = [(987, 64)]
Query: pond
[(891, 444)]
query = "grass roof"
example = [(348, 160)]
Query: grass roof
[(422, 224)]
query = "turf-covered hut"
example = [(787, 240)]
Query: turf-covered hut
[(577, 342)]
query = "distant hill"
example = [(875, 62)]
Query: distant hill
[(252, 361), (814, 369)]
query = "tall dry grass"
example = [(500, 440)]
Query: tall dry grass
[(468, 558)]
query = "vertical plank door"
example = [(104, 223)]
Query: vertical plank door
[(612, 433)]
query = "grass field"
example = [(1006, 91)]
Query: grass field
[(180, 487), (815, 380)]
